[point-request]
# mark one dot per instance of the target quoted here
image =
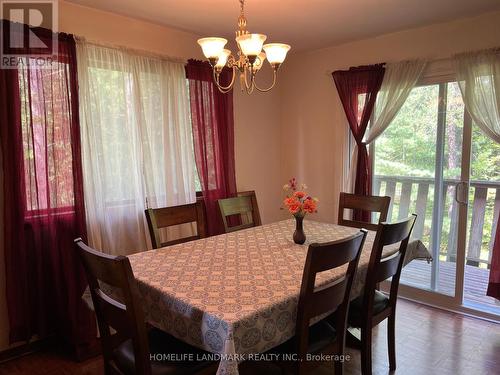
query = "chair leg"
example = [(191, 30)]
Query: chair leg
[(391, 340), (338, 367), (366, 351), (301, 369)]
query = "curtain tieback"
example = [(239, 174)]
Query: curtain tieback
[(362, 144)]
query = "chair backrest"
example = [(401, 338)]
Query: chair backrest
[(381, 268), (244, 205), (169, 216), (316, 301), (117, 320), (365, 203)]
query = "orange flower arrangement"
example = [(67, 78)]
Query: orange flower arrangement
[(297, 201)]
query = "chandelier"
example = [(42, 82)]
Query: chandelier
[(250, 57)]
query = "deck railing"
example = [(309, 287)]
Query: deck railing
[(417, 193)]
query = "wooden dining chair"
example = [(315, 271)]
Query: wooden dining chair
[(127, 345), (315, 301), (366, 203), (245, 206), (368, 310), (164, 217)]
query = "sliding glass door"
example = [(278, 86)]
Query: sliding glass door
[(423, 162), (484, 209)]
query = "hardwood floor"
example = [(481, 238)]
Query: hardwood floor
[(428, 341), (50, 363)]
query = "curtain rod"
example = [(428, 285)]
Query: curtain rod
[(329, 72), (131, 50), (107, 45), (432, 60), (495, 50)]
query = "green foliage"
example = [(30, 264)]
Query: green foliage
[(407, 148)]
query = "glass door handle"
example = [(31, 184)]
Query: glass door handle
[(460, 188)]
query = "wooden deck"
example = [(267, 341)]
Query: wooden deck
[(416, 194), (418, 273)]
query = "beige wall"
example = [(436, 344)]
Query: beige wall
[(257, 146), (110, 28), (313, 126)]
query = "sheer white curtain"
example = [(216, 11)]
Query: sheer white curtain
[(136, 142), (399, 79), (478, 75)]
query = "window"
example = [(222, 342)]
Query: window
[(419, 163), (405, 155), (46, 133), (137, 142)]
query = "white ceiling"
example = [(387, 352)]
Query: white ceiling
[(305, 24)]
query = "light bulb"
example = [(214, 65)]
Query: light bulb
[(259, 62), (222, 60), (251, 44), (276, 52), (212, 47)]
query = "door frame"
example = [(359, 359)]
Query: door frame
[(463, 208), (431, 296)]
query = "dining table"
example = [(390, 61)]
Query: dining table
[(235, 295)]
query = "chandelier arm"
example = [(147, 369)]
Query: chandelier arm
[(248, 86), (224, 89), (275, 75)]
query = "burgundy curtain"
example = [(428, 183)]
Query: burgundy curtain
[(43, 198), (494, 281), (213, 137), (358, 88)]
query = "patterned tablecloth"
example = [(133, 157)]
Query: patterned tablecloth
[(236, 294)]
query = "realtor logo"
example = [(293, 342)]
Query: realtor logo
[(24, 37)]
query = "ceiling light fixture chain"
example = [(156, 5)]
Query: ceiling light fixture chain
[(249, 57)]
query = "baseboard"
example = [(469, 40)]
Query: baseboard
[(78, 354), (25, 349)]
